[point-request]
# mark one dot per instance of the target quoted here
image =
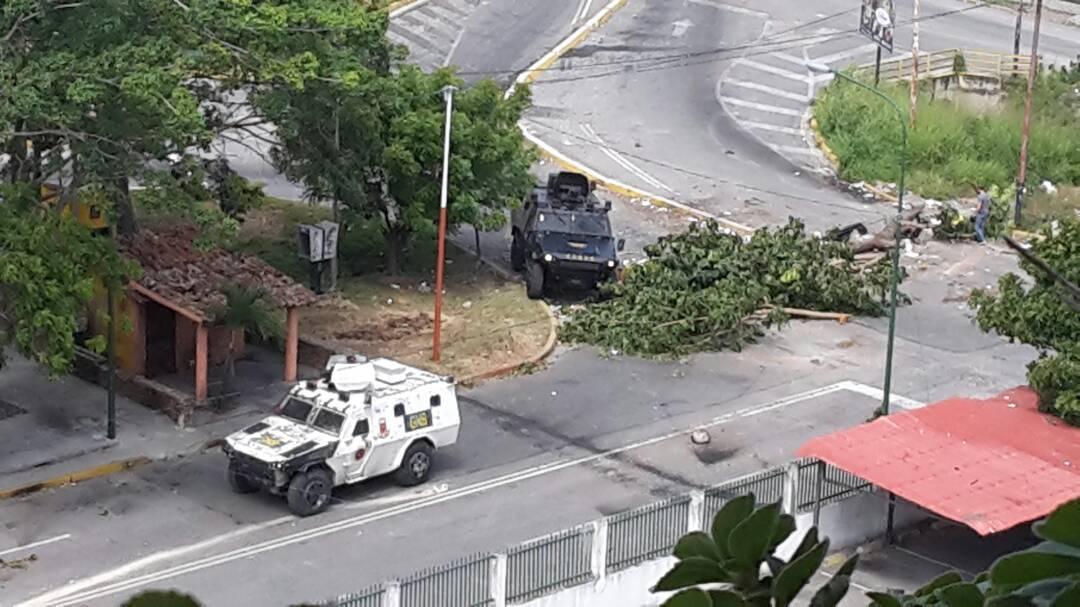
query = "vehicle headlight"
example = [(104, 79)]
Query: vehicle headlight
[(548, 257), (277, 465), (611, 263)]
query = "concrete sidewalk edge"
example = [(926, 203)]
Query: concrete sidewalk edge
[(78, 476)]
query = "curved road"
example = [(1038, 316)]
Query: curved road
[(647, 100)]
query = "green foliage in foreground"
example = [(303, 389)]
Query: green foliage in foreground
[(1042, 315), (951, 147), (706, 289), (739, 554), (1047, 575)]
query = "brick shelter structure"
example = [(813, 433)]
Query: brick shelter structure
[(167, 311)]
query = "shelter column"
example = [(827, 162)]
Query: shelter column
[(292, 342), (201, 360)]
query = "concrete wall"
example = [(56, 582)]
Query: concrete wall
[(628, 587)]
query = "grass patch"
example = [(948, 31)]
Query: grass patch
[(953, 148), (488, 322)]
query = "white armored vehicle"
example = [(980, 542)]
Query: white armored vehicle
[(361, 419)]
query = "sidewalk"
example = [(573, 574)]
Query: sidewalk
[(53, 432)]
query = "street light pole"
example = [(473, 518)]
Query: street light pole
[(1033, 72), (895, 281), (436, 346)]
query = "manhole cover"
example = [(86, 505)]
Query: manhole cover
[(9, 410)]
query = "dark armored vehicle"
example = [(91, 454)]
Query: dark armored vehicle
[(562, 235)]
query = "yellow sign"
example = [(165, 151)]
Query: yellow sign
[(270, 440)]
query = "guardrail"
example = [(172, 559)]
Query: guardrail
[(589, 552), (949, 63)]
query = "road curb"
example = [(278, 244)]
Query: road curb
[(549, 347), (612, 185), (399, 7), (86, 474), (822, 145)]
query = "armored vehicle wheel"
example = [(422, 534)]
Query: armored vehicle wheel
[(517, 254), (309, 492), (416, 465), (239, 481), (534, 280)]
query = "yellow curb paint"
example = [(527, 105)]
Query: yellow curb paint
[(819, 139), (553, 155), (76, 477)]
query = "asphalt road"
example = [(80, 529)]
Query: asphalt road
[(588, 436), (647, 99)]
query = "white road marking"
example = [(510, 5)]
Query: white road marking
[(762, 126), (90, 582), (768, 89), (74, 594), (622, 161), (878, 394), (794, 149), (761, 107), (583, 10), (453, 47), (776, 71), (791, 59), (51, 540), (739, 10), (848, 54)]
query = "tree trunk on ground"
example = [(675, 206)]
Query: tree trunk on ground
[(124, 209)]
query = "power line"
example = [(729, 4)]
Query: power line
[(713, 54), (693, 173)]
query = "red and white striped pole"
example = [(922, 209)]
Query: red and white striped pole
[(436, 347)]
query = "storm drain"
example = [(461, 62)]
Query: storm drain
[(9, 410)]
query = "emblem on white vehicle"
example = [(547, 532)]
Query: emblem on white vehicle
[(270, 440)]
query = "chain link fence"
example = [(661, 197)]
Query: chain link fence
[(545, 565)]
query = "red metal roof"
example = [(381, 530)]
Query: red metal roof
[(989, 464)]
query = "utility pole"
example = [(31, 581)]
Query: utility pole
[(1019, 26), (436, 346), (1033, 72), (337, 196), (914, 62), (110, 302)]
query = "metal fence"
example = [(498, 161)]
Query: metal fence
[(951, 62), (541, 566), (462, 583), (836, 484), (546, 565), (372, 597), (767, 487), (646, 533)]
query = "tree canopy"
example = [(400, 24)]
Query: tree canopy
[(376, 147), (1038, 312)]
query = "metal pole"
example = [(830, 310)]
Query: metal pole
[(819, 484), (436, 346), (897, 233), (890, 519), (476, 233), (337, 197), (1019, 28), (110, 411), (877, 67), (1033, 71), (914, 62)]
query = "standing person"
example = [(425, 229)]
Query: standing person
[(982, 214)]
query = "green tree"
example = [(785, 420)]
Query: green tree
[(48, 268), (245, 311), (737, 564), (1047, 575), (1039, 313), (376, 145)]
